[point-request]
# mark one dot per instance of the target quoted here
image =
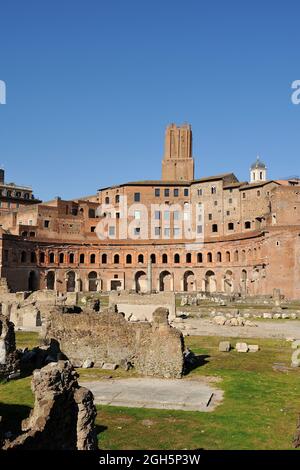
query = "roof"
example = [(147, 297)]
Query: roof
[(170, 182), (257, 185), (258, 164)]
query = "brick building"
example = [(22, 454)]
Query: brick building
[(13, 196), (245, 239)]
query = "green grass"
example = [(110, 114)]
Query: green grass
[(27, 339), (259, 410)]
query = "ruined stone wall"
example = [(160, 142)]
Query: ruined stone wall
[(63, 415), (8, 358), (153, 348), (142, 306)]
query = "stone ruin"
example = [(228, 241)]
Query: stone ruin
[(153, 349), (8, 356), (63, 416)]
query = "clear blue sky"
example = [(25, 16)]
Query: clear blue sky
[(92, 84)]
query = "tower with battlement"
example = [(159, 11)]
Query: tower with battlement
[(178, 162)]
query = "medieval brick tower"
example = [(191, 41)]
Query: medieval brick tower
[(178, 163)]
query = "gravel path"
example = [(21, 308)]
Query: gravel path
[(266, 329)]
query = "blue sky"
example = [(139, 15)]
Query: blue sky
[(91, 86)]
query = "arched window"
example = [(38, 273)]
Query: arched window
[(231, 226), (176, 258), (32, 234), (51, 257), (140, 258), (61, 258), (209, 257), (164, 258), (153, 258), (247, 224), (188, 258), (93, 258), (236, 255), (128, 259), (219, 257), (243, 255), (23, 257), (71, 258), (116, 259), (81, 258), (117, 199), (199, 258), (92, 213), (104, 258), (32, 257), (24, 234), (42, 257), (228, 256), (107, 200), (214, 228)]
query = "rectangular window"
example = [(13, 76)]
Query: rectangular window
[(244, 195), (46, 223), (228, 213), (215, 203), (157, 192), (176, 232), (167, 232), (111, 231), (230, 201), (137, 197), (209, 216), (157, 215), (167, 192), (186, 192), (176, 215), (157, 231), (200, 192), (137, 215), (199, 228), (176, 192), (167, 215), (93, 229)]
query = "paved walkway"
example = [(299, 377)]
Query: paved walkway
[(265, 329), (181, 394)]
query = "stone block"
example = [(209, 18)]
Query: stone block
[(109, 366), (241, 347), (224, 346), (253, 347)]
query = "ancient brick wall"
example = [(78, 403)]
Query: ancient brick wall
[(153, 348)]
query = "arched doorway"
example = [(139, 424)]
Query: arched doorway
[(210, 282), (165, 282), (140, 281), (71, 281), (50, 280), (228, 282), (33, 281), (244, 282), (189, 282), (92, 281)]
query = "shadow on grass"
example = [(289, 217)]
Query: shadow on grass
[(100, 429), (195, 362), (12, 416)]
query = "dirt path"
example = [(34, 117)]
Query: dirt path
[(266, 329)]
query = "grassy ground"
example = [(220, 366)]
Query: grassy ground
[(259, 410)]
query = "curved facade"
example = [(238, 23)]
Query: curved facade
[(133, 236)]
